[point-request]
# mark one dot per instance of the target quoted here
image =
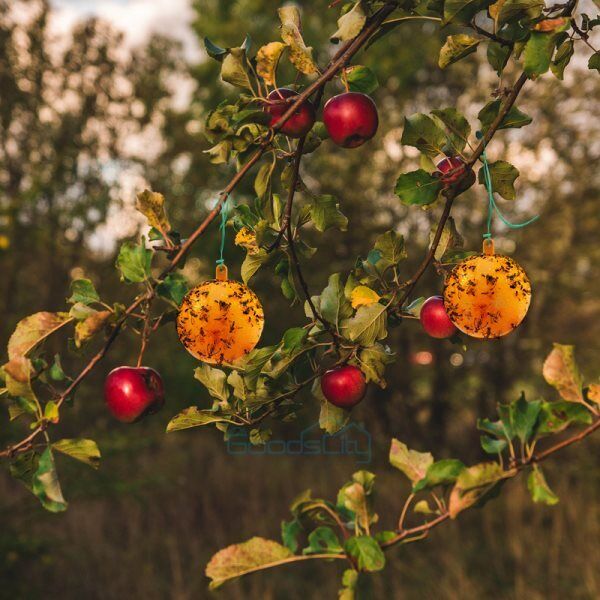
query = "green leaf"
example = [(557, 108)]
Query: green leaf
[(367, 326), (366, 552), (456, 47), (361, 79), (503, 176), (492, 446), (560, 371), (372, 362), (23, 468), (214, 380), (412, 463), (290, 531), (173, 288), (83, 290), (334, 305), (194, 417), (449, 240), (594, 62), (422, 507), (152, 206), (463, 11), (441, 472), (294, 338), (252, 263), (80, 449), (331, 418), (515, 10), (391, 246), (524, 417), (513, 119), (32, 330), (538, 53), (134, 262), (539, 489), (45, 484), (422, 132), (239, 559), (56, 371), (417, 187), (323, 541), (562, 58), (51, 412), (557, 416), (262, 179), (350, 24), (472, 484), (214, 51), (356, 496), (498, 55), (234, 69), (456, 125), (325, 213)]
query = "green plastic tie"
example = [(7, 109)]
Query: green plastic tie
[(492, 206), (223, 228)]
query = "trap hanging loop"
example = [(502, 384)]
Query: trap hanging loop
[(492, 206)]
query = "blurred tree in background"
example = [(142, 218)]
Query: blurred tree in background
[(84, 122)]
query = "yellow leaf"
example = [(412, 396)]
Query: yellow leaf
[(594, 392), (152, 206), (87, 328), (363, 296), (246, 238), (300, 54), (266, 61)]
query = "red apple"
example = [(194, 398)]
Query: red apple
[(450, 169), (344, 386), (435, 320), (133, 392), (351, 119), (300, 123)]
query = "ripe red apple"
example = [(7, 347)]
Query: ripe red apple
[(133, 392), (435, 320), (351, 119), (450, 169), (300, 123), (344, 386)]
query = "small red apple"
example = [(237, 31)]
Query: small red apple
[(300, 123), (435, 320), (450, 169), (344, 386), (351, 119), (133, 392)]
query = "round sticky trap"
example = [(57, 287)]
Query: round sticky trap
[(487, 296), (221, 320)]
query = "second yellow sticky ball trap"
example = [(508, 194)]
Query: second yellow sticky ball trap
[(220, 320), (488, 295)]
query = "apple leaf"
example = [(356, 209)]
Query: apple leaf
[(417, 187), (32, 330), (361, 79), (134, 261), (503, 176), (152, 206), (325, 213), (456, 48), (45, 484), (239, 559), (539, 489), (366, 551), (441, 472), (513, 119), (323, 540), (412, 463), (267, 59), (367, 326), (300, 53), (594, 62), (422, 132), (194, 417), (214, 380), (561, 372), (83, 290), (82, 450)]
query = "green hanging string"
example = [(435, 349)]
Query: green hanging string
[(492, 206), (223, 228)]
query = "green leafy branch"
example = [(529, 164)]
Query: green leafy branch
[(441, 490)]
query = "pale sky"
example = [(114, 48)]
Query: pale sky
[(137, 18)]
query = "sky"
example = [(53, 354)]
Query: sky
[(137, 18)]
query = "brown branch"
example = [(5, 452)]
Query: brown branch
[(425, 527), (452, 193), (339, 60), (490, 35)]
